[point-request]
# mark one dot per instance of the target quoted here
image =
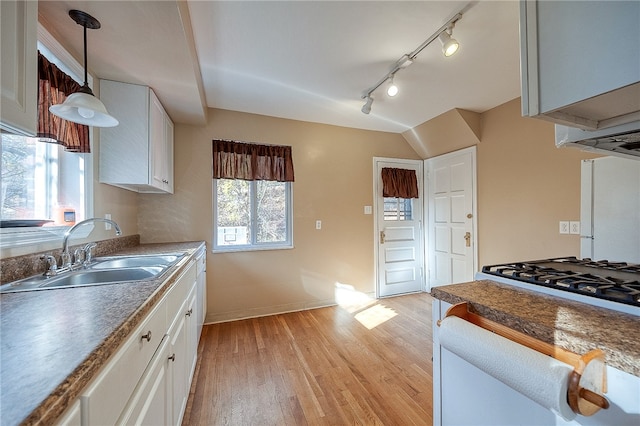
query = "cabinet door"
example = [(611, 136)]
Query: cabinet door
[(19, 67), (192, 336), (71, 417), (178, 366), (168, 154), (149, 404), (157, 143)]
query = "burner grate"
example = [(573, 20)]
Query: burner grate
[(615, 281)]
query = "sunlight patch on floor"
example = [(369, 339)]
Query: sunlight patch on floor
[(375, 315), (350, 299)]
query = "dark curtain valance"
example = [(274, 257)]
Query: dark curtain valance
[(399, 183), (53, 88), (248, 161)]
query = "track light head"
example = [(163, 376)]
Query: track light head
[(392, 89), (449, 45), (366, 108)]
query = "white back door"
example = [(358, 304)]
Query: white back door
[(399, 236), (451, 206)]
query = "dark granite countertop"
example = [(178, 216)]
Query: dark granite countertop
[(574, 326), (54, 341)]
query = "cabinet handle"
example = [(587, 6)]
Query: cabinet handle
[(146, 336), (189, 312), (173, 357)]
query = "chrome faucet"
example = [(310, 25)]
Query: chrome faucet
[(66, 256)]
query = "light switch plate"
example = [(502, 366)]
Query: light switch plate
[(574, 227), (367, 210), (107, 226)]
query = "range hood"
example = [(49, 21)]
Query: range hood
[(622, 140)]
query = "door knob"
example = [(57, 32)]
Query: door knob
[(467, 238), (382, 237)]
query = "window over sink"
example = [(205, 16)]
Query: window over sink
[(43, 188)]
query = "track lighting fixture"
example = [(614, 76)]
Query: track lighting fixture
[(392, 89), (82, 106), (449, 47), (366, 108)]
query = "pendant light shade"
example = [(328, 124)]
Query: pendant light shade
[(83, 107)]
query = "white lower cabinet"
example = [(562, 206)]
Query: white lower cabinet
[(147, 381), (181, 333), (149, 405), (71, 417)]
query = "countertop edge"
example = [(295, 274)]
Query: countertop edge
[(527, 323)]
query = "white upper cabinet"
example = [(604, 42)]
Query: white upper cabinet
[(19, 113), (138, 153), (580, 62)]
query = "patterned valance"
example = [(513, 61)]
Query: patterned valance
[(249, 161), (54, 86)]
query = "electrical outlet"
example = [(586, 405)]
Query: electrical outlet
[(107, 226), (318, 224), (564, 226), (574, 227)]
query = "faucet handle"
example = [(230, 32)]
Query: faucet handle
[(88, 254), (65, 259), (52, 266), (78, 256)]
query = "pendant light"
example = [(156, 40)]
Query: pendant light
[(82, 106)]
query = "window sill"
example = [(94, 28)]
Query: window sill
[(23, 237), (227, 249)]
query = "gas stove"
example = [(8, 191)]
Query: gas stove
[(613, 285)]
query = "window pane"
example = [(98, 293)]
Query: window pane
[(233, 212), (271, 217), (398, 208)]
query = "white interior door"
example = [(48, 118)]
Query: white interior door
[(399, 237), (452, 222)]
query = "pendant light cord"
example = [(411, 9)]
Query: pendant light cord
[(85, 54)]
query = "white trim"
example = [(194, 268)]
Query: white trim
[(65, 61), (474, 220), (284, 245), (376, 230)]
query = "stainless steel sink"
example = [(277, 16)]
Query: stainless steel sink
[(105, 270), (81, 278), (164, 260)]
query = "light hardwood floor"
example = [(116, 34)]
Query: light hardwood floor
[(325, 366)]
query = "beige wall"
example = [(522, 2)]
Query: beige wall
[(525, 187), (334, 170)]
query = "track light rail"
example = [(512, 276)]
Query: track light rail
[(406, 60)]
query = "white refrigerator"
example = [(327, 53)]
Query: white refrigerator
[(610, 209)]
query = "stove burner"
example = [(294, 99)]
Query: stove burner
[(615, 281)]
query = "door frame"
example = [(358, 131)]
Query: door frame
[(376, 229), (428, 251)]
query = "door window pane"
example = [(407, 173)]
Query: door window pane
[(398, 208)]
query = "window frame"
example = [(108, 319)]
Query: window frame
[(24, 237), (287, 244)]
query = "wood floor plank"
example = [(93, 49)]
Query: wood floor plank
[(326, 366)]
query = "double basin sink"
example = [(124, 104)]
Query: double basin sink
[(103, 270)]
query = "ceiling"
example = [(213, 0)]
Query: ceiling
[(303, 60)]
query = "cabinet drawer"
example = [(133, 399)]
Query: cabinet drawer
[(105, 398), (180, 290)]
